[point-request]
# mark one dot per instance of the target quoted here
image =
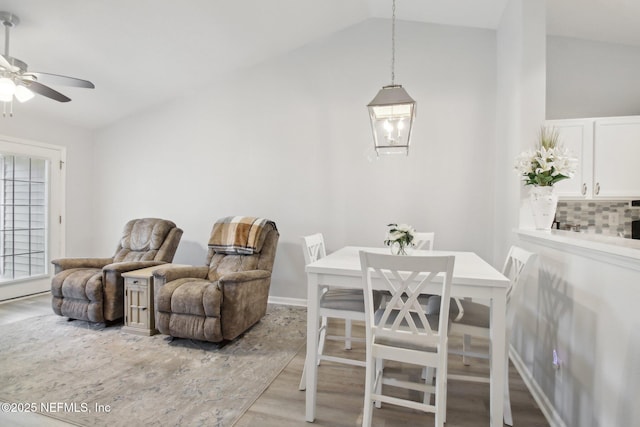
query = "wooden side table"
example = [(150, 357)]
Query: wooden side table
[(139, 315)]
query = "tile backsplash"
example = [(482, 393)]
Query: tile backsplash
[(600, 217)]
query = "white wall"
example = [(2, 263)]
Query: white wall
[(290, 140), (79, 172), (591, 79), (520, 110), (583, 305)]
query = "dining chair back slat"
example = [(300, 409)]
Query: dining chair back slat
[(514, 266), (424, 240), (313, 248)]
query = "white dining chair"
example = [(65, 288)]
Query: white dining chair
[(335, 303), (474, 321), (403, 332), (423, 240)]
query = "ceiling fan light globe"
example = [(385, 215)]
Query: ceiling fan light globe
[(23, 94), (7, 88)]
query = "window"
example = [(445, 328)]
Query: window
[(32, 183), (23, 216)]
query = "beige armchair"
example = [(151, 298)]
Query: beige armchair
[(225, 297), (93, 289)]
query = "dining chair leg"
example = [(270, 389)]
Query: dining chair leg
[(445, 375), (347, 334), (322, 338), (428, 374), (303, 379), (367, 413), (440, 402), (466, 347), (379, 371), (508, 418)]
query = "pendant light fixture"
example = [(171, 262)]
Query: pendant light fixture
[(392, 110)]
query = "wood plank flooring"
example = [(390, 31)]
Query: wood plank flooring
[(340, 390), (341, 394), (24, 308)]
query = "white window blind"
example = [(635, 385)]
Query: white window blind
[(23, 216)]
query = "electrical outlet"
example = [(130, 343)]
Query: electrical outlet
[(556, 360)]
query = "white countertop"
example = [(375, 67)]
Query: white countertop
[(597, 244)]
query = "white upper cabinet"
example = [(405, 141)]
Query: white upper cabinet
[(616, 154), (608, 151), (577, 136)]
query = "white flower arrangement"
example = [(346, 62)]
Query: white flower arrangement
[(547, 164), (402, 235)]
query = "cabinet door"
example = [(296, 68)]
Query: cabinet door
[(137, 303), (616, 156), (577, 136)]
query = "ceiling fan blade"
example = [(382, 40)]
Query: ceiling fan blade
[(56, 79), (46, 91), (7, 65)]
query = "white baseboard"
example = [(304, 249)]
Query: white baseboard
[(288, 301), (19, 298), (549, 412)]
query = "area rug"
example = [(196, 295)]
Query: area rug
[(92, 375)]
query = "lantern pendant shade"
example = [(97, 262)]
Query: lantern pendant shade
[(392, 112)]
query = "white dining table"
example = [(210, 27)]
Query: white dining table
[(472, 277)]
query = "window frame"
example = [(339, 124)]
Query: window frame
[(54, 212)]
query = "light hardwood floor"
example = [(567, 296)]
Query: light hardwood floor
[(341, 395), (24, 308), (340, 390)]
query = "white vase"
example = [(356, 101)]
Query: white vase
[(544, 202)]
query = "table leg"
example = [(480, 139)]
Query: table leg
[(499, 357), (311, 366)]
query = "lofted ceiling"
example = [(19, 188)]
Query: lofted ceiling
[(140, 53)]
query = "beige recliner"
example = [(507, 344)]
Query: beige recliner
[(93, 289), (222, 299)]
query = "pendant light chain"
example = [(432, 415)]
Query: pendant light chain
[(393, 43)]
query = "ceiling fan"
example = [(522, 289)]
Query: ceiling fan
[(16, 81)]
